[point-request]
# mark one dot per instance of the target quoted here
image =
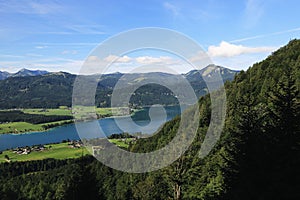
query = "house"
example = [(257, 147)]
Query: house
[(96, 149)]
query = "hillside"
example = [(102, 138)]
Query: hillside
[(208, 71), (52, 90), (257, 157)]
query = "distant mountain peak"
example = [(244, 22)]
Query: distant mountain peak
[(22, 73), (208, 71), (25, 72), (4, 75)]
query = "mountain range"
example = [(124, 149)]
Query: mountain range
[(38, 89), (257, 154), (23, 72)]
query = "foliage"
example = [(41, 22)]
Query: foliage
[(19, 116), (257, 157)]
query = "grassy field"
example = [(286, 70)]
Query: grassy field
[(56, 151), (121, 143), (58, 111), (21, 127), (16, 127), (68, 112)]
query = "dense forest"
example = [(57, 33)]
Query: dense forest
[(20, 116), (257, 156)]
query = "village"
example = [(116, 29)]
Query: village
[(39, 148)]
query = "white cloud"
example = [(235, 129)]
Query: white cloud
[(125, 64), (94, 64), (156, 60), (117, 59), (226, 49), (41, 47), (199, 56), (144, 60), (92, 61), (170, 7)]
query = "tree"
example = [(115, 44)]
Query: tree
[(176, 175), (284, 111)]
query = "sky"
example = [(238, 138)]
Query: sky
[(59, 35)]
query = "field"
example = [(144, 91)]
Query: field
[(16, 127), (56, 151), (66, 111), (21, 127), (58, 111), (121, 142)]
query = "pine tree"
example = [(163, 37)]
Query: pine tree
[(284, 134), (284, 111)]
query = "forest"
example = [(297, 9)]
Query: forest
[(257, 156), (20, 116)]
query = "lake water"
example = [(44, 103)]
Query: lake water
[(141, 119)]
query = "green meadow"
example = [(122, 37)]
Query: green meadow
[(56, 151), (21, 127)]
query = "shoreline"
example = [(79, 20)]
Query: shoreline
[(73, 121), (37, 131), (70, 145)]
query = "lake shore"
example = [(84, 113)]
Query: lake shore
[(27, 128), (90, 129), (64, 150)]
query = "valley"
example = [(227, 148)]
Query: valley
[(257, 154)]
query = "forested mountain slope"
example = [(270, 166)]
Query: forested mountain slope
[(51, 90), (257, 157)]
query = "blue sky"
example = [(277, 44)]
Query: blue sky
[(59, 35)]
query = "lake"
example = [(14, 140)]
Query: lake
[(141, 119)]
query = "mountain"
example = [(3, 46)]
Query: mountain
[(258, 154), (49, 90), (28, 89), (22, 73), (4, 75), (256, 157), (207, 72), (26, 72)]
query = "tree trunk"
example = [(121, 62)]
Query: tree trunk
[(177, 191)]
